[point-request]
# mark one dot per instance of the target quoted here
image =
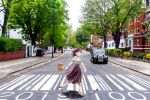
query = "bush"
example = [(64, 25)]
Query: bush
[(140, 55), (137, 55), (110, 52), (127, 54), (8, 44), (114, 52), (117, 52), (147, 56)]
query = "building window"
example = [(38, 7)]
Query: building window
[(122, 45), (148, 41), (138, 30), (113, 44), (109, 45), (147, 2), (129, 43), (136, 42)]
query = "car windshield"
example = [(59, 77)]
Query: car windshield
[(99, 50)]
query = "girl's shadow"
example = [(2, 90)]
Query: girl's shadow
[(72, 94)]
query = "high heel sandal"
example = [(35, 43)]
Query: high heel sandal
[(61, 88)]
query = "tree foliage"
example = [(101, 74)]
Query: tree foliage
[(5, 8), (111, 15), (39, 19)]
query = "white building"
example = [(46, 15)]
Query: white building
[(111, 44)]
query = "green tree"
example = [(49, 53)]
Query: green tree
[(111, 15), (5, 8), (72, 41), (37, 18)]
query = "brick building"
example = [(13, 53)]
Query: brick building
[(137, 37)]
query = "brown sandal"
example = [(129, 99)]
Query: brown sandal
[(61, 88)]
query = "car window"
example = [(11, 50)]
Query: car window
[(99, 50)]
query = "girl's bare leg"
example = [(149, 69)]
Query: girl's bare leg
[(80, 89), (62, 86)]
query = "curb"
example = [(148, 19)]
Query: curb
[(129, 68), (33, 66)]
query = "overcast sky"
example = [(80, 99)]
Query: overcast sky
[(74, 12)]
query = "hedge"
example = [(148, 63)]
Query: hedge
[(114, 52), (147, 56), (9, 45), (127, 54)]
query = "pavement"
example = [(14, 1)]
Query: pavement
[(12, 66), (138, 66)]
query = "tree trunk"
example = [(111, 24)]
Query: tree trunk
[(117, 36), (6, 16), (33, 41), (105, 42)]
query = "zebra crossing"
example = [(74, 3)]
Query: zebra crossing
[(50, 82)]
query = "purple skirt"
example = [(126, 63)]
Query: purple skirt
[(74, 75)]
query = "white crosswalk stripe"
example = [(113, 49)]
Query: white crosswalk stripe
[(29, 82), (39, 85), (20, 83), (122, 83), (11, 82), (34, 83), (49, 82), (117, 85), (48, 85), (132, 83), (93, 83), (140, 81)]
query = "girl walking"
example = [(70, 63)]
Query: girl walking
[(74, 74)]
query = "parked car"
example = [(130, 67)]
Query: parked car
[(99, 55)]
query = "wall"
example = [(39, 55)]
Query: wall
[(11, 55)]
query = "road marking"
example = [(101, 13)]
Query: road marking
[(118, 86), (35, 82), (20, 83), (29, 82), (85, 82), (57, 82), (140, 81), (97, 97), (122, 83), (93, 82), (49, 82), (132, 83), (39, 85), (48, 85), (83, 66), (62, 82), (12, 82), (83, 87), (100, 84), (105, 84)]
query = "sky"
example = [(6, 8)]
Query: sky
[(74, 12)]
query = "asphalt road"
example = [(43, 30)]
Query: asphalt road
[(100, 82)]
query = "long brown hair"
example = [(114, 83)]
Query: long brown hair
[(75, 51)]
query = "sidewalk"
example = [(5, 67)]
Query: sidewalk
[(138, 66), (11, 66)]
